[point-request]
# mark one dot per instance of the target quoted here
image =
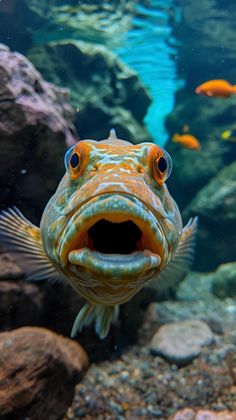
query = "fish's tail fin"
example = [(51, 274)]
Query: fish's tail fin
[(234, 89)]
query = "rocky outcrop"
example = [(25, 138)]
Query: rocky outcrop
[(106, 93), (196, 175), (39, 371), (207, 118), (224, 281), (215, 205), (208, 33), (35, 127)]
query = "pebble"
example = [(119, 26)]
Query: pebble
[(181, 342), (189, 414)]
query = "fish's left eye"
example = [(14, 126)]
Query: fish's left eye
[(163, 167), (162, 164)]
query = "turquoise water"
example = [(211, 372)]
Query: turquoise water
[(149, 49)]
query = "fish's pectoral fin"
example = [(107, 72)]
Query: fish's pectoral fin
[(101, 314), (178, 267), (23, 240)]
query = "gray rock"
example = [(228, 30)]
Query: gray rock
[(224, 281), (8, 267), (181, 342), (192, 170), (107, 93), (215, 205), (35, 127)]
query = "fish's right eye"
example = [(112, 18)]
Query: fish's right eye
[(74, 161), (67, 158)]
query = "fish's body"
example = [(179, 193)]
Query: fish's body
[(218, 88), (187, 140), (110, 228), (229, 135)]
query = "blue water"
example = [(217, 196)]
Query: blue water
[(149, 49)]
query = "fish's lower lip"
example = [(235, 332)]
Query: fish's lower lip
[(117, 266), (115, 209)]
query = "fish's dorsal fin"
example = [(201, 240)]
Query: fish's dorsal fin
[(178, 267), (23, 240), (112, 135)]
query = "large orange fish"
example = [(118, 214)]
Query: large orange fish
[(110, 228), (217, 88), (187, 140)]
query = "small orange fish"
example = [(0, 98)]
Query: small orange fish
[(217, 88), (110, 228), (187, 140)]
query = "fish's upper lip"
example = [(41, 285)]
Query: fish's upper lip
[(115, 208)]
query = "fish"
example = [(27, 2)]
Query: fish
[(187, 140), (110, 229), (218, 88), (229, 135)]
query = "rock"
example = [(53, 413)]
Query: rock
[(102, 88), (215, 205), (39, 371), (200, 56), (206, 117), (8, 267), (35, 127), (21, 304), (224, 281), (190, 170), (203, 414), (181, 342)]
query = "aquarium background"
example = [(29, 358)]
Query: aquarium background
[(73, 70)]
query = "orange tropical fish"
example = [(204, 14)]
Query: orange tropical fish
[(217, 88), (187, 140), (110, 228)]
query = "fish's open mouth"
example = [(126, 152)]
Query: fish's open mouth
[(113, 235), (115, 238)]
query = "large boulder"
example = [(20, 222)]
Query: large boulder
[(35, 127), (215, 205), (106, 93), (39, 372)]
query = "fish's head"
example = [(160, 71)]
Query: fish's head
[(112, 225)]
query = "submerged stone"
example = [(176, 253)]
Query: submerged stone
[(39, 371), (181, 342), (224, 280)]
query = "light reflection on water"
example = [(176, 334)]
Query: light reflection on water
[(149, 49)]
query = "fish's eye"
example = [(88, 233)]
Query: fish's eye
[(163, 167), (67, 158), (162, 164), (74, 160)]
